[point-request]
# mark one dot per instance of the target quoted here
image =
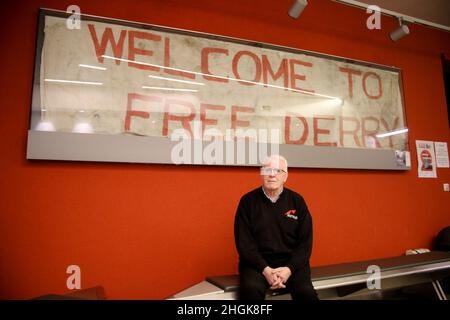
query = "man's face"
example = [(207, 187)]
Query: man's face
[(273, 175)]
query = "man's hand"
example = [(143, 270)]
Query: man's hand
[(270, 275), (282, 274), (277, 277)]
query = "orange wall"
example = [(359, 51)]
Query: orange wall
[(149, 231)]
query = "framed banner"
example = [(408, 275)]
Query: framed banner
[(112, 90)]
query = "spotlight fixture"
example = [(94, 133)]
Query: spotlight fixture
[(400, 32), (297, 8)]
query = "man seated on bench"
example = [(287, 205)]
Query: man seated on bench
[(273, 235)]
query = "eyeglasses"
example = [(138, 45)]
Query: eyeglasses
[(266, 171)]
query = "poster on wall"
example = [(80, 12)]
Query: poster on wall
[(442, 160), (426, 161), (403, 158), (115, 78)]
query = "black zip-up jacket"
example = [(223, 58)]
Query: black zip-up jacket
[(266, 232)]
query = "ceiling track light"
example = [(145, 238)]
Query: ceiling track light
[(297, 8), (364, 4), (400, 32)]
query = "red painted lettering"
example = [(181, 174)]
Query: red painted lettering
[(282, 71), (234, 120), (370, 133), (133, 113), (386, 126), (256, 61), (172, 117), (353, 132), (297, 76), (380, 88), (287, 129), (167, 63), (350, 74), (318, 131), (208, 121), (205, 62), (107, 37), (133, 51)]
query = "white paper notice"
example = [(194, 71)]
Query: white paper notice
[(407, 159), (441, 154), (402, 158), (426, 160)]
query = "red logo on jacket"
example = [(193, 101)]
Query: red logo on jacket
[(291, 214)]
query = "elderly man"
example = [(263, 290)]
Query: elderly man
[(273, 235)]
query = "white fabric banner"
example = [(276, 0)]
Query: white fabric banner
[(111, 79)]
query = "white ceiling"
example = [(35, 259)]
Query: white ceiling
[(436, 12)]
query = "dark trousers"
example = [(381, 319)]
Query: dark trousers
[(253, 285)]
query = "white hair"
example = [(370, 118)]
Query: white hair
[(279, 159)]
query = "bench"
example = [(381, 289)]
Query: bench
[(345, 280)]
